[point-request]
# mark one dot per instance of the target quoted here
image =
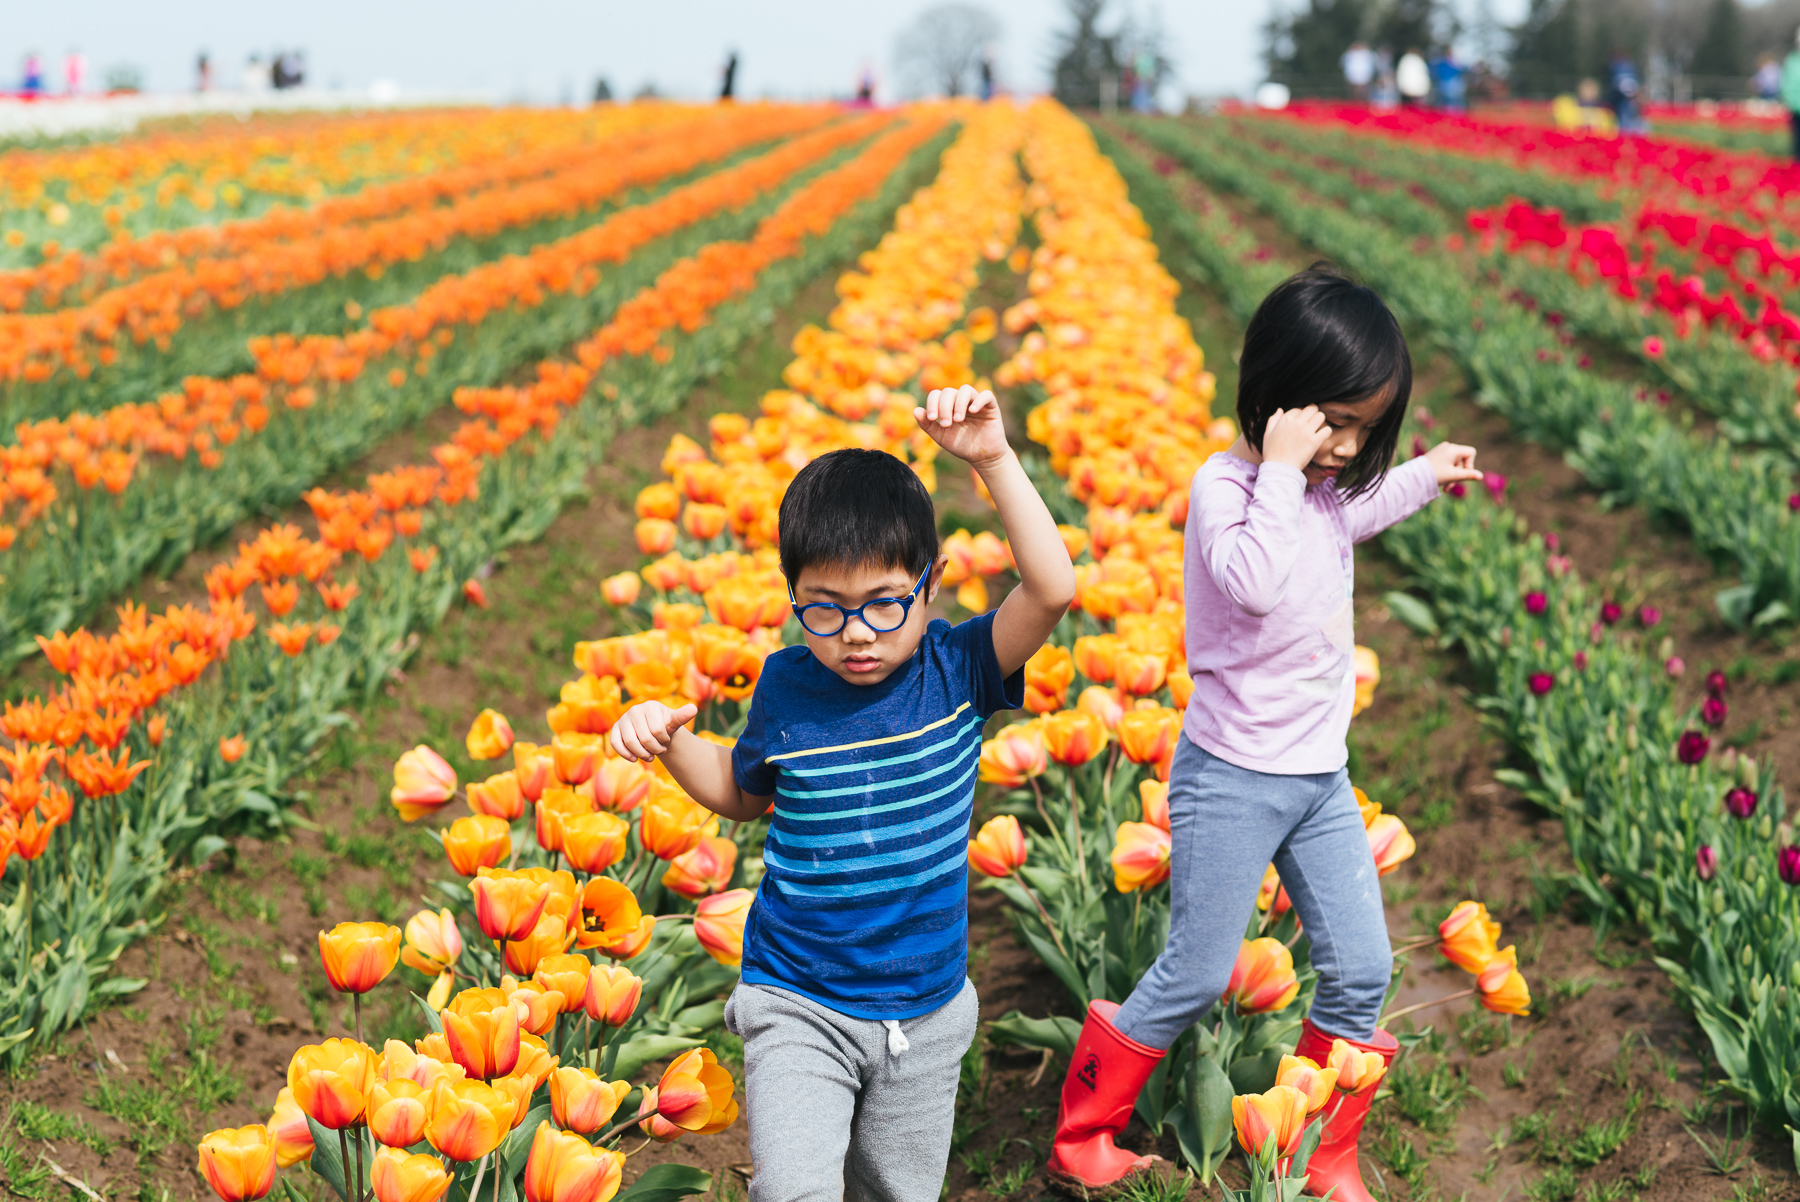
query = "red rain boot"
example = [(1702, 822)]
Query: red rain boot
[(1333, 1166), (1105, 1074)]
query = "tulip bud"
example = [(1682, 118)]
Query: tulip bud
[(719, 925), (423, 783), (1269, 1122), (1706, 862), (239, 1164), (563, 1167), (358, 956), (397, 1112), (489, 736), (581, 1101), (293, 1134), (611, 994), (397, 1176), (998, 848)]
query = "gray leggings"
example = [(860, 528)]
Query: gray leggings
[(835, 1112), (1228, 824)]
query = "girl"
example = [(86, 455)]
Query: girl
[(1259, 771)]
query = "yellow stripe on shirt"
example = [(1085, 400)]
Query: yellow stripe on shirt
[(913, 734)]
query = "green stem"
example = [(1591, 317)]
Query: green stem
[(1392, 1015)]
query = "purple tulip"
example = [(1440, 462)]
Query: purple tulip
[(1794, 501), (1715, 683), (1706, 862), (1692, 747), (1541, 683), (1712, 712), (1536, 603), (1551, 542), (1610, 612), (1648, 616), (1787, 864), (1418, 447), (1581, 661), (1675, 665), (1458, 491), (1741, 802), (1495, 483), (1557, 565)]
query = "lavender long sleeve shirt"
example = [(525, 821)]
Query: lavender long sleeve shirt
[(1270, 632)]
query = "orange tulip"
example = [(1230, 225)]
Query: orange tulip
[(609, 913), (538, 1007), (1279, 1114), (1357, 1071), (621, 785), (580, 1100), (1153, 798), (1368, 678), (423, 783), (531, 766), (567, 974), (563, 1167), (293, 1134), (554, 809), (1095, 656), (1371, 810), (1015, 755), (500, 796), (1106, 704), (477, 842), (1181, 687), (468, 1118), (534, 1068), (612, 994), (359, 955), (1048, 674), (694, 1095), (507, 904), (397, 1061), (232, 749), (1140, 857), (1262, 980), (1138, 673), (631, 942), (662, 500), (331, 1081), (998, 848), (1073, 737), (239, 1163), (673, 823), (1468, 938), (483, 1037), (575, 755), (1306, 1076), (706, 869), (397, 1112), (621, 590), (490, 735), (551, 936), (1147, 736), (655, 536), (1502, 986), (399, 1176), (1390, 842), (1272, 893), (719, 925), (433, 942), (594, 842)]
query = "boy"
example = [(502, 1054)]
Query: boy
[(855, 1007)]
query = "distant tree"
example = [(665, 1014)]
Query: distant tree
[(1303, 47), (1550, 49), (1084, 56), (1720, 54), (941, 50), (1406, 25)]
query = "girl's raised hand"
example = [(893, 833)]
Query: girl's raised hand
[(966, 423), (1294, 436), (1451, 462)]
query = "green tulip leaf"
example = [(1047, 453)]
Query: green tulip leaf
[(667, 1183)]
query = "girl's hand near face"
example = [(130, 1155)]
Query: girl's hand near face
[(1294, 436), (1451, 462)]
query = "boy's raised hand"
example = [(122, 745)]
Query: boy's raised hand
[(965, 422), (645, 731)]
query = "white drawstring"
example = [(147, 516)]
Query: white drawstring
[(896, 1037)]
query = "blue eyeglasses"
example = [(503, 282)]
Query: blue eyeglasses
[(883, 614)]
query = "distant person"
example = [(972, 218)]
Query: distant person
[(1583, 111), (203, 73), (1359, 69), (74, 72), (1622, 93), (728, 89), (602, 91), (1413, 79), (1385, 93), (1448, 77), (1765, 85), (865, 87), (33, 82), (1143, 93), (987, 76), (255, 76), (1790, 92)]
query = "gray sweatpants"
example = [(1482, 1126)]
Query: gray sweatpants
[(1228, 824), (834, 1112)]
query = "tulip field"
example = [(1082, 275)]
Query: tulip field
[(364, 469)]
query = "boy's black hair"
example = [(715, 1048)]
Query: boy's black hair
[(857, 508), (1318, 338)]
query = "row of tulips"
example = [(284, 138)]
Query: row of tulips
[(567, 800), (1735, 502), (153, 481), (220, 744), (1694, 848), (141, 185), (136, 338), (1092, 784)]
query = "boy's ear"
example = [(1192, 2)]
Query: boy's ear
[(937, 578)]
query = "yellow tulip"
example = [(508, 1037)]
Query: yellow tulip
[(432, 942), (331, 1081), (423, 783), (1140, 857), (1390, 842), (694, 1095), (1357, 1071), (612, 994), (359, 955), (998, 849), (399, 1176), (580, 1100), (563, 1167), (239, 1163), (293, 1134), (468, 1119), (490, 736), (719, 925), (1306, 1076), (1280, 1113), (1262, 979), (1503, 988), (397, 1112), (1468, 938), (707, 868)]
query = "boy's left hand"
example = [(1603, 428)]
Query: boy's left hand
[(966, 423)]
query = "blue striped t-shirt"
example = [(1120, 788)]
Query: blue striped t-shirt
[(864, 903)]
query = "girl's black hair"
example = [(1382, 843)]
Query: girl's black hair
[(1321, 338)]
